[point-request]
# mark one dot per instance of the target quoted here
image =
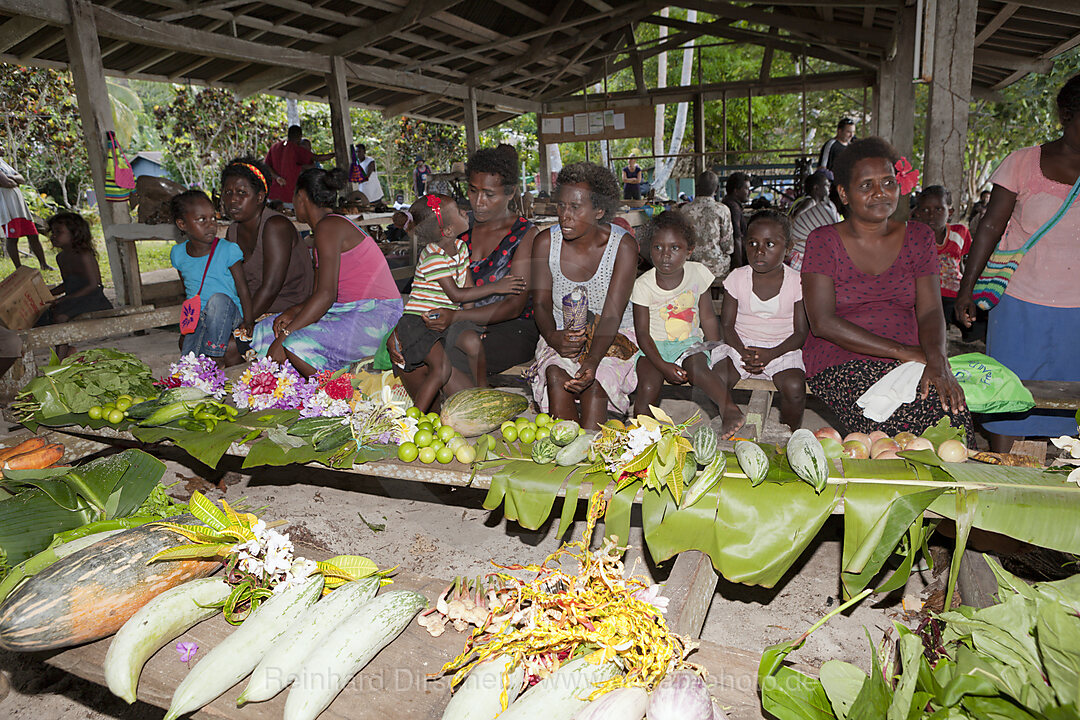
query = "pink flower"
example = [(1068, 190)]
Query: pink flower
[(187, 651), (907, 176), (264, 382), (340, 389)]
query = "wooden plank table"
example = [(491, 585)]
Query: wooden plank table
[(402, 681)]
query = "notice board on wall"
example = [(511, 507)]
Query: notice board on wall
[(625, 122)]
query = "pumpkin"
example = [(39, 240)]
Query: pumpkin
[(476, 411), (90, 594)]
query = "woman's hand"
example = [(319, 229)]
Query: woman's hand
[(965, 308), (510, 285), (585, 377), (948, 389), (282, 322), (912, 353), (393, 348), (439, 320), (673, 373), (568, 344), (277, 351)]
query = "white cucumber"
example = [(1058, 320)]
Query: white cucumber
[(282, 663), (238, 654), (161, 620), (562, 694), (807, 458), (331, 666), (479, 697)]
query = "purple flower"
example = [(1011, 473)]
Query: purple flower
[(187, 651)]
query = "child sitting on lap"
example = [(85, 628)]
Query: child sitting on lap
[(673, 314), (442, 280), (764, 323), (212, 268)]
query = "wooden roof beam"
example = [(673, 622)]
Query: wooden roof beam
[(524, 10), (577, 56), (822, 28), (1048, 55), (198, 8), (312, 10), (996, 22), (17, 29), (1012, 62)]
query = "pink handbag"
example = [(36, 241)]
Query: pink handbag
[(192, 307)]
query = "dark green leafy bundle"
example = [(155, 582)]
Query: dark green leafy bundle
[(83, 380), (1017, 659)]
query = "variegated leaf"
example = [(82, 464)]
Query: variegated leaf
[(207, 512), (187, 552)]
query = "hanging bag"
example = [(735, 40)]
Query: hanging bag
[(192, 307), (119, 177), (1003, 263), (356, 171)]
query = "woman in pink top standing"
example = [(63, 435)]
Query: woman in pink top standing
[(873, 298), (355, 303), (1033, 329)]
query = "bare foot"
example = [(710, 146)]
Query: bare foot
[(733, 421)]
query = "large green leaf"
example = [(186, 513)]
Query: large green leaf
[(790, 695), (1059, 640), (619, 507), (29, 520), (842, 682), (206, 447), (876, 696), (911, 658), (529, 490)]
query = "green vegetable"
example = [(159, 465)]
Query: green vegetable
[(704, 481), (169, 413), (561, 695), (83, 380), (543, 451), (479, 697), (704, 444), (752, 460), (565, 432), (476, 411), (575, 452), (173, 395), (807, 458)]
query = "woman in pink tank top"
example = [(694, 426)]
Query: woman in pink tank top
[(355, 302)]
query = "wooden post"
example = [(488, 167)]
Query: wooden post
[(472, 125), (340, 124), (699, 133), (894, 94), (723, 116), (749, 119), (950, 96), (88, 74), (543, 182)]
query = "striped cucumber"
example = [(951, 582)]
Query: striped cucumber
[(807, 458), (238, 654), (156, 623), (480, 696), (705, 480), (282, 663), (562, 694), (331, 667), (753, 461)]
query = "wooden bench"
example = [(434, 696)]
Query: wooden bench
[(84, 328)]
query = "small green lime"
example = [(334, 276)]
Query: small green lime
[(407, 452), (455, 442), (94, 412), (427, 455), (508, 423), (542, 432), (422, 438), (414, 412), (446, 432), (125, 396), (115, 416), (542, 419), (522, 422), (527, 434), (436, 444), (444, 455), (425, 425), (510, 432), (434, 419), (122, 403), (465, 454)]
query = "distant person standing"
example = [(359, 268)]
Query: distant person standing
[(814, 211), (286, 160), (845, 131), (420, 175), (370, 186), (632, 177), (712, 224), (977, 211), (15, 219), (738, 194)]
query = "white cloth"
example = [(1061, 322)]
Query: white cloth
[(372, 189), (897, 388)]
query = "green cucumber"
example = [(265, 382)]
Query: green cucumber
[(282, 663), (238, 654), (331, 666), (575, 452), (159, 621)]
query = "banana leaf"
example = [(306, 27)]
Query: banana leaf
[(619, 508), (206, 447), (527, 490), (29, 520)]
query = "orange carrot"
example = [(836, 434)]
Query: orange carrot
[(34, 443), (36, 459)]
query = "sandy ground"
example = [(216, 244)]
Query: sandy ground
[(444, 532)]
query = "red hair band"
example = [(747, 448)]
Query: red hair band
[(257, 173), (435, 203)]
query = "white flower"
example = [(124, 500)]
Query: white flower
[(251, 565), (651, 595), (1074, 476), (638, 440), (303, 568), (406, 427), (1069, 444), (259, 529)]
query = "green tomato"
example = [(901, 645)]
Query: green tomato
[(122, 403), (94, 412), (414, 412), (425, 425), (542, 432), (407, 452), (434, 419), (446, 432), (422, 438), (115, 416), (522, 422), (527, 435), (427, 455), (542, 419), (510, 432), (444, 455), (465, 454)]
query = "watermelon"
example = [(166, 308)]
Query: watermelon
[(543, 451), (476, 411), (704, 444)]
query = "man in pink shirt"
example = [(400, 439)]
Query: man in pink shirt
[(286, 160)]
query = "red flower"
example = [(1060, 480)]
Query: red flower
[(907, 176), (264, 382), (340, 389), (168, 382)]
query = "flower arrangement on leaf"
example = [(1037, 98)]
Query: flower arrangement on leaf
[(197, 371), (266, 385), (331, 396), (651, 449), (259, 561), (557, 615), (383, 420), (1070, 454)]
